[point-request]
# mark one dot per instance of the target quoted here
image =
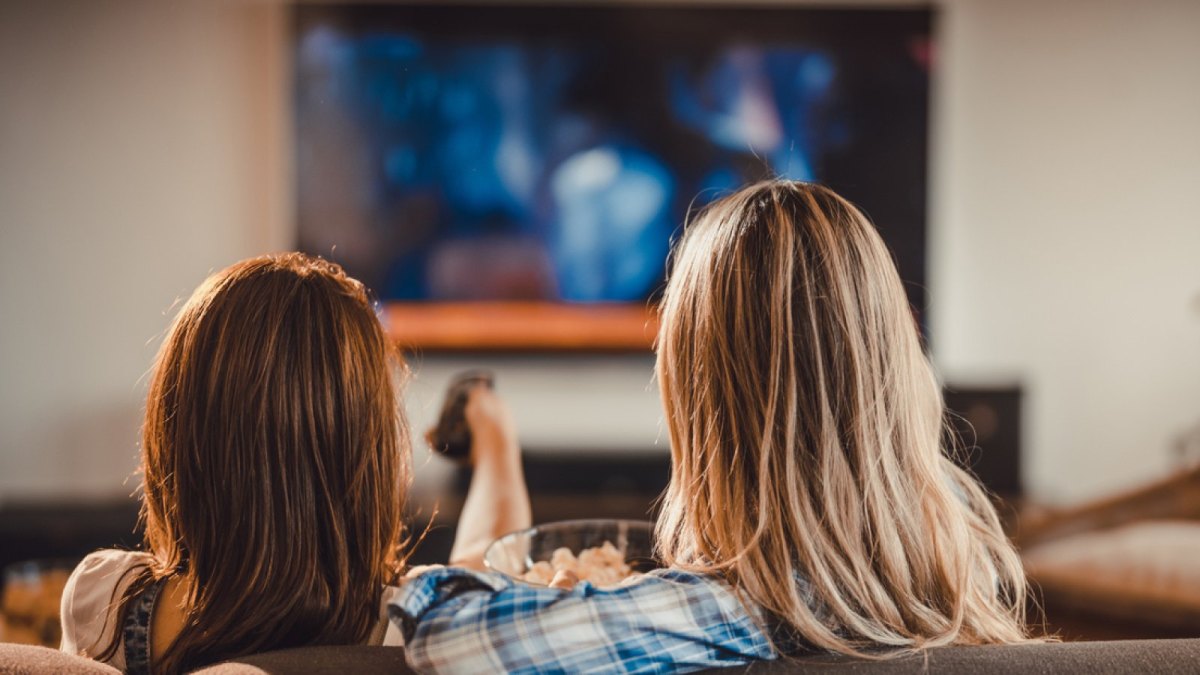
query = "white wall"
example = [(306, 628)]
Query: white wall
[(1066, 226), (143, 144), (139, 148)]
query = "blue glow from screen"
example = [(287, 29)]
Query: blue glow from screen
[(453, 170)]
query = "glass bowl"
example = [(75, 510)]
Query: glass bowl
[(515, 553)]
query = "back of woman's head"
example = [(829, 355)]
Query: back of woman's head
[(275, 460), (806, 431)]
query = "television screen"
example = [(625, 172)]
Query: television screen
[(457, 153)]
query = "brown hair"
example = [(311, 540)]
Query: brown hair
[(806, 437), (276, 459)]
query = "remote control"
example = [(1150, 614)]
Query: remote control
[(452, 437)]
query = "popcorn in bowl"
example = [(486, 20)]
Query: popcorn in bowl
[(603, 565), (602, 552)]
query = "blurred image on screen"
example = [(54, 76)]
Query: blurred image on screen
[(490, 153)]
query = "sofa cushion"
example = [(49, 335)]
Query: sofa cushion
[(30, 660), (1144, 572)]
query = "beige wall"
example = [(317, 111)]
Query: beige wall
[(144, 143), (139, 148), (1066, 226)]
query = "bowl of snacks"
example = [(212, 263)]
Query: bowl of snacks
[(603, 552)]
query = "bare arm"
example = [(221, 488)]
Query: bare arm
[(497, 500)]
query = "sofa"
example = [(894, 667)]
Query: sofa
[(1165, 657)]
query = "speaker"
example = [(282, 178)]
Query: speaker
[(987, 423)]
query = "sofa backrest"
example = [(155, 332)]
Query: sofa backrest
[(1166, 657), (1118, 657), (317, 661)]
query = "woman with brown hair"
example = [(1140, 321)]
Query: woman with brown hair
[(811, 505), (276, 460)]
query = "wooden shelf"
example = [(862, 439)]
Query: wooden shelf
[(521, 326)]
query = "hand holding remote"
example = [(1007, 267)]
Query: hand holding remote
[(493, 432), (477, 426), (453, 434)]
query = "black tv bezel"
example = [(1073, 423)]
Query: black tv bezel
[(903, 222)]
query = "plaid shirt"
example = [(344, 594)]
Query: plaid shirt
[(667, 621)]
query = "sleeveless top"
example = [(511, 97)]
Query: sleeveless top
[(136, 630), (91, 603)]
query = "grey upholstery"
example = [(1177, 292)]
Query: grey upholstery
[(1118, 657), (1168, 657), (316, 661)]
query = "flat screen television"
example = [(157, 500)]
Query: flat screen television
[(512, 176)]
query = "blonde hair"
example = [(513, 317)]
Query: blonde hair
[(806, 430)]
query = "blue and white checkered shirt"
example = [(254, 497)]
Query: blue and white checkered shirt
[(456, 620)]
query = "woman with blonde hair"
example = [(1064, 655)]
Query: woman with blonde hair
[(811, 505)]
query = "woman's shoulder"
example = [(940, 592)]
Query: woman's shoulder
[(91, 597), (662, 621), (102, 571), (109, 559), (677, 595)]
